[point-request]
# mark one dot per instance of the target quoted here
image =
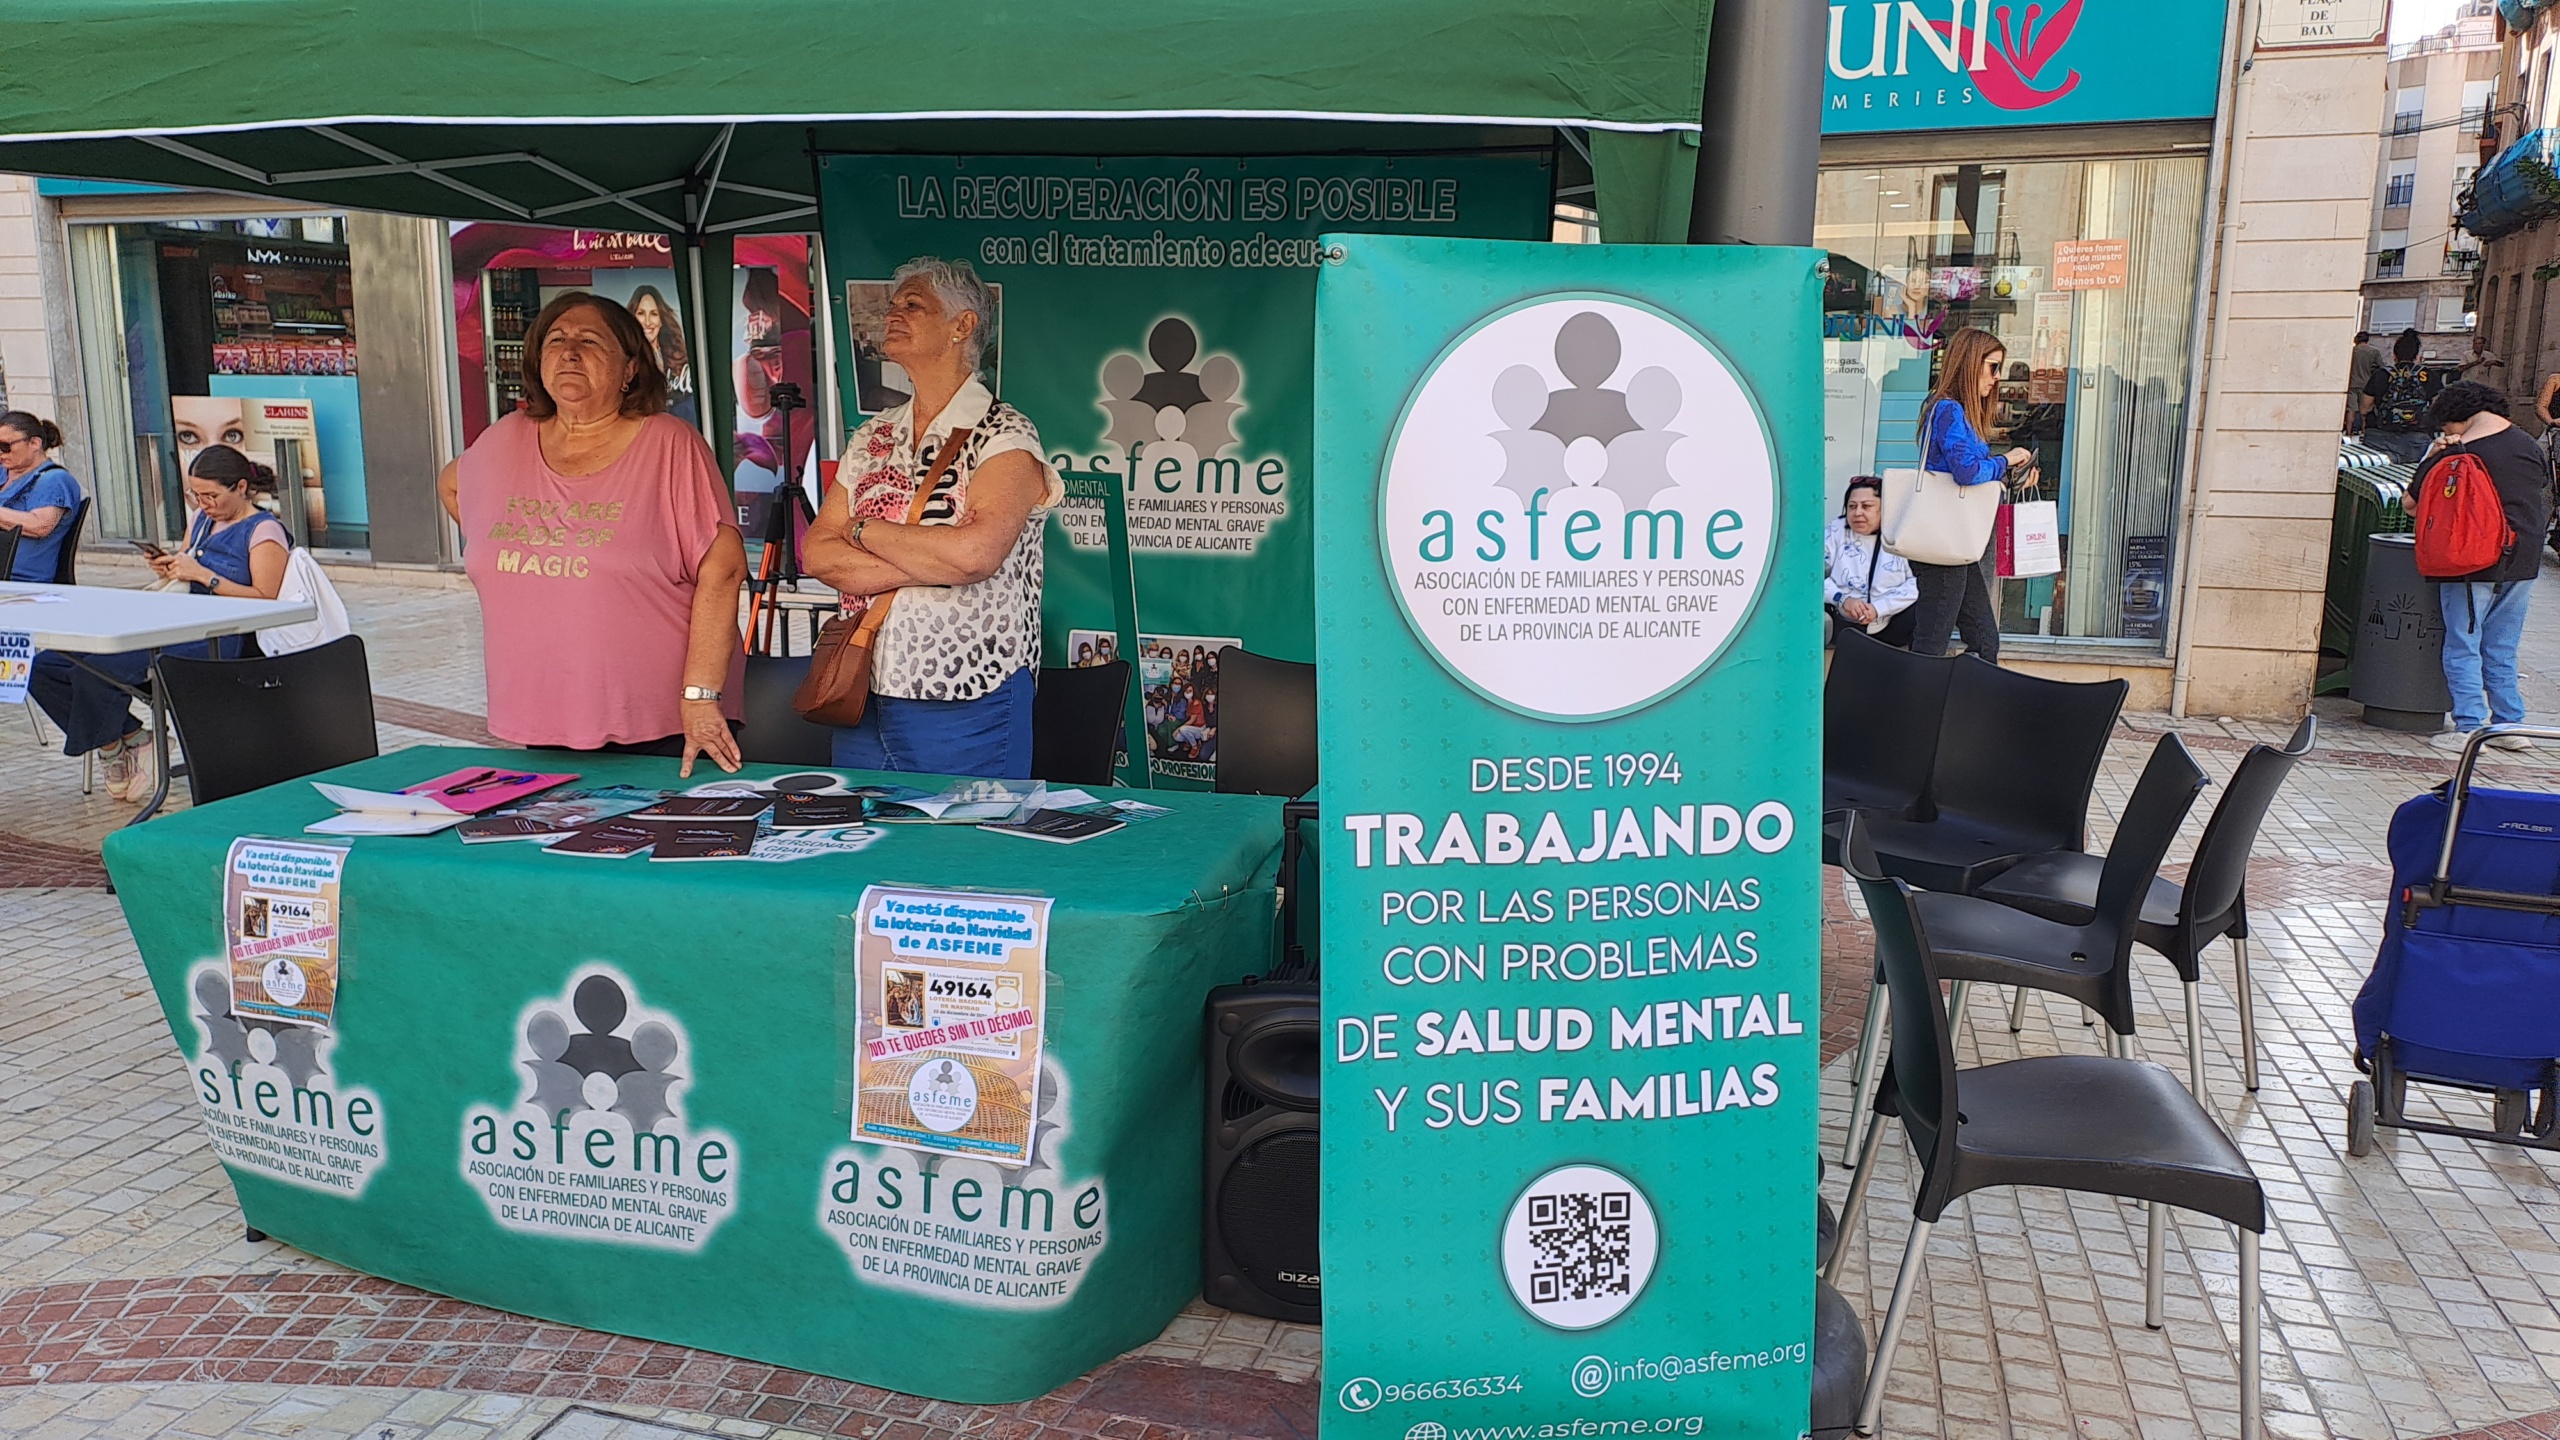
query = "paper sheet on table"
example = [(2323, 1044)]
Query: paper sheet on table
[(384, 802), (370, 822)]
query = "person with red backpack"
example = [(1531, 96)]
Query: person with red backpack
[(2483, 500)]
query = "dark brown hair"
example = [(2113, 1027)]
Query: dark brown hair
[(647, 392), (33, 427), (1959, 379), (227, 468)]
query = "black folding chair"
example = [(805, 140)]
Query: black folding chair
[(774, 733), (1266, 725), (9, 538), (1076, 716), (2097, 1124), (248, 724), (2180, 920), (1881, 707), (2016, 759), (2091, 960), (66, 562)]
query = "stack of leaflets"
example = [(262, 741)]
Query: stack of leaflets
[(430, 805), (1067, 816), (817, 812), (544, 822), (967, 802)]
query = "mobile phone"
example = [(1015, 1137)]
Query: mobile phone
[(150, 548)]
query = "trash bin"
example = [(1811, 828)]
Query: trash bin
[(2399, 656)]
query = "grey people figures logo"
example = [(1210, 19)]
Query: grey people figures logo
[(1587, 433), (294, 1049), (1172, 404), (596, 1069)]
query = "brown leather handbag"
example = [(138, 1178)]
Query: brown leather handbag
[(837, 688)]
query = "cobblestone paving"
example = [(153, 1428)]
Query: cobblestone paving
[(2415, 1292)]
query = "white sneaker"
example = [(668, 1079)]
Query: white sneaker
[(141, 773), (2512, 742), (2450, 740), (115, 766)]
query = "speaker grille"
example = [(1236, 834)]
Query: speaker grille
[(1237, 1103), (1267, 1214)]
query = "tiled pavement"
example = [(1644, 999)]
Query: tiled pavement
[(2414, 1292)]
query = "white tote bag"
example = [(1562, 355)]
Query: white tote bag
[(304, 580), (1930, 518)]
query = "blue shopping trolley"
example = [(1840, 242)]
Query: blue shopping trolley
[(2465, 991)]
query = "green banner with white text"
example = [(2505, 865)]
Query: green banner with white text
[(1568, 501), (1157, 325)]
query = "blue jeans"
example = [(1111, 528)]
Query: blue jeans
[(92, 713), (2483, 625), (988, 737)]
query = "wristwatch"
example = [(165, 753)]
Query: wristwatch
[(700, 692)]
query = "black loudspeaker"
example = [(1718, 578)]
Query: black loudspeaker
[(1258, 1221)]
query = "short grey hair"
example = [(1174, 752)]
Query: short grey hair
[(960, 290)]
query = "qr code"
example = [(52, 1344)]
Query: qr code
[(1581, 1245)]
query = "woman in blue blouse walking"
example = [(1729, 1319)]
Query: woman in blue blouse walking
[(1952, 425)]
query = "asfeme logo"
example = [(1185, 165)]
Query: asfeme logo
[(1578, 506), (273, 1101), (598, 1145)]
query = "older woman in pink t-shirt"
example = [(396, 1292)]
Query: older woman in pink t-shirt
[(599, 536)]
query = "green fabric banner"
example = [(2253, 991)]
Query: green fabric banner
[(1568, 518), (1157, 326), (622, 1094)]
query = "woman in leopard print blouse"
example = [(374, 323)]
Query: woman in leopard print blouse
[(953, 668)]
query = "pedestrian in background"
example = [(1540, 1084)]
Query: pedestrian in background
[(2396, 422), (1952, 426), (2367, 359), (2484, 612), (1864, 585)]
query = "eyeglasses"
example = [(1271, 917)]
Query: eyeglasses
[(14, 444)]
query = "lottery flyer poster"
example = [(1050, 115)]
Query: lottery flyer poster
[(952, 1000), (17, 662), (280, 915)]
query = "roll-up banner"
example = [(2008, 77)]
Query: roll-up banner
[(1567, 513), (1157, 326)]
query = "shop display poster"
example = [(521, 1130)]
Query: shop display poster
[(282, 916), (2092, 264), (1155, 327), (1569, 678), (951, 992)]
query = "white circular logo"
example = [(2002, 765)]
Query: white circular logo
[(284, 981), (1578, 1246), (1359, 1395), (943, 1094), (1578, 507)]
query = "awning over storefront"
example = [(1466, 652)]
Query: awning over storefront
[(699, 116)]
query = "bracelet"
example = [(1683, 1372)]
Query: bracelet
[(855, 534)]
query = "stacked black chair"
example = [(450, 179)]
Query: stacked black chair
[(1076, 717), (9, 538), (248, 724), (1266, 725), (2096, 1124), (2015, 761), (2091, 960), (2179, 921), (774, 733), (1880, 710)]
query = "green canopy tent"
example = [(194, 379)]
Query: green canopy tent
[(698, 119)]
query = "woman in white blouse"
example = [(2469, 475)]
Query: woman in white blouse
[(953, 668), (1864, 585)]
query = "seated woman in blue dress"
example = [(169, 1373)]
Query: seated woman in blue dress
[(37, 496), (235, 550)]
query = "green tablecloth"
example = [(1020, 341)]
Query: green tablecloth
[(933, 1275)]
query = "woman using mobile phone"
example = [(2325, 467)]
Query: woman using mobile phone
[(235, 550)]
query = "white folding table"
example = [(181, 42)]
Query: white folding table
[(100, 620)]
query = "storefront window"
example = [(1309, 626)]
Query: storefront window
[(504, 274), (2087, 270), (236, 332)]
